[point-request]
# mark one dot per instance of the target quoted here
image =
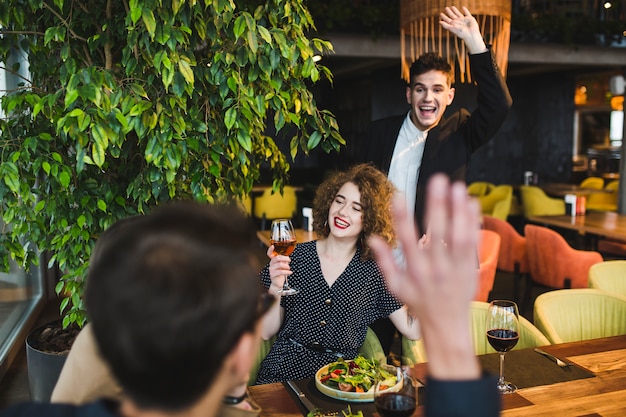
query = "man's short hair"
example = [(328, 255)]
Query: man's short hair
[(431, 61), (170, 295)]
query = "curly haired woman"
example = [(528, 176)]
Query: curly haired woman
[(341, 288)]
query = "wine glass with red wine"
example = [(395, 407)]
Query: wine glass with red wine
[(396, 403), (283, 237), (503, 334)]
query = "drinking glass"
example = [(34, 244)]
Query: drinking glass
[(283, 237), (396, 403), (503, 334)]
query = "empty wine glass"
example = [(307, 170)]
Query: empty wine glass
[(503, 334), (283, 237)]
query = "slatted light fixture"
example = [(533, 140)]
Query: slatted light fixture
[(421, 32)]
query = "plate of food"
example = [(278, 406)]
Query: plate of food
[(354, 380)]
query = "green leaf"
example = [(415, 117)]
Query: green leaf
[(97, 153), (70, 97), (186, 70), (265, 34), (148, 19), (314, 140), (139, 90), (135, 13), (102, 205), (253, 43), (230, 117), (240, 26), (244, 140), (64, 179)]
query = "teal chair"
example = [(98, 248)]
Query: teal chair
[(530, 336), (578, 314)]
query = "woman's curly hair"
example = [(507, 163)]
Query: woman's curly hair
[(376, 193)]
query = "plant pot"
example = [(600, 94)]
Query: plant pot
[(47, 348)]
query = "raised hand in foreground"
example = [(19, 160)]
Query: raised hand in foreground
[(440, 277)]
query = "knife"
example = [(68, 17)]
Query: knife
[(303, 399), (558, 361)]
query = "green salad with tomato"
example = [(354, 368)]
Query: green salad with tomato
[(357, 375)]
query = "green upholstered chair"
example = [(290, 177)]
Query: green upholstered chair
[(596, 183), (479, 188), (264, 349), (497, 203), (530, 336), (580, 314), (535, 202), (604, 201), (371, 349), (609, 276)]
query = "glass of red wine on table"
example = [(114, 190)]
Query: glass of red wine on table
[(397, 403), (503, 334), (283, 237)]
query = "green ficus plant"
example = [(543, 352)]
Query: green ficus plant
[(131, 103)]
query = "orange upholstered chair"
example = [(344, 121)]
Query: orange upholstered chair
[(488, 262), (553, 262), (513, 257)]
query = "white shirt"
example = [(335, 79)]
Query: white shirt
[(406, 161)]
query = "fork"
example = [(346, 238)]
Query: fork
[(558, 361)]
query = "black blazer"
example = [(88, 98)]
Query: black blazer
[(450, 144)]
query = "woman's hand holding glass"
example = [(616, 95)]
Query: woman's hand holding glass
[(283, 242), (279, 269)]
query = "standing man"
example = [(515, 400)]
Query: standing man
[(411, 148)]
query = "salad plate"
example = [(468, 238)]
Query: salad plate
[(357, 378)]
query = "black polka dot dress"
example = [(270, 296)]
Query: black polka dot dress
[(334, 317)]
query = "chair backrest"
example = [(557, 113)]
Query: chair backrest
[(498, 202), (371, 348), (596, 183), (530, 336), (552, 261), (535, 202), (604, 201), (276, 205), (580, 314), (609, 276), (488, 263), (478, 188), (513, 254)]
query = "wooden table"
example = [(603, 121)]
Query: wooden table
[(560, 190), (598, 223), (301, 236), (603, 395)]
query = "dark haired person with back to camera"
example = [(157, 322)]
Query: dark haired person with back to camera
[(174, 305), (413, 147)]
